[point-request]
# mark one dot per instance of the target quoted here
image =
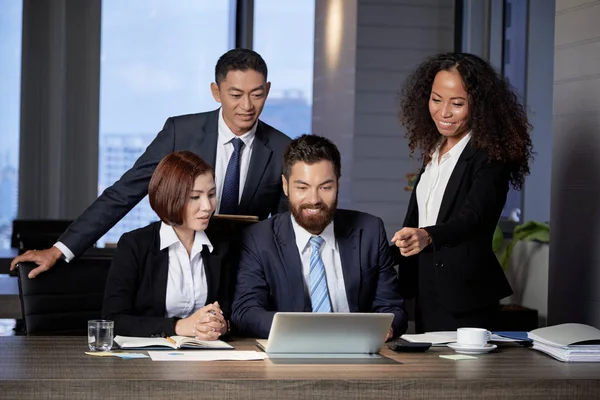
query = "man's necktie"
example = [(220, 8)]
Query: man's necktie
[(319, 295), (231, 186)]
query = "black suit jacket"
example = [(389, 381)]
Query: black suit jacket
[(198, 133), (136, 285), (460, 260), (270, 277)]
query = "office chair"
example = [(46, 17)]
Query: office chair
[(30, 234), (61, 301)]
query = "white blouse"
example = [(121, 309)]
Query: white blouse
[(433, 182), (186, 283)]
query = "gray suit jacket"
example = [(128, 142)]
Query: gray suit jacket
[(262, 194)]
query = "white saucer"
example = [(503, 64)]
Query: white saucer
[(465, 349)]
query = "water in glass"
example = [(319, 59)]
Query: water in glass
[(100, 335)]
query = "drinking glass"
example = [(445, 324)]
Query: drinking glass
[(100, 334)]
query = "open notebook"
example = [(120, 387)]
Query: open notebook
[(172, 342)]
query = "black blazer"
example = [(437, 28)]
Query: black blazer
[(466, 272), (198, 133), (136, 286), (270, 275)]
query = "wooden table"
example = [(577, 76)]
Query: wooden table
[(56, 367)]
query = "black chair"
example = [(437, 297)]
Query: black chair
[(61, 301), (30, 234)]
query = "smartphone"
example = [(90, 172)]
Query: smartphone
[(402, 345)]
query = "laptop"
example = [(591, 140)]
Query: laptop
[(306, 333)]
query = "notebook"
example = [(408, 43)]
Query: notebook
[(566, 334), (568, 342), (172, 342)]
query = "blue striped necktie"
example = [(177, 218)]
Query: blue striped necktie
[(319, 295), (231, 186)]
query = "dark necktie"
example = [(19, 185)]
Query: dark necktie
[(231, 186)]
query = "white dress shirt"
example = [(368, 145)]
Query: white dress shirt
[(433, 182), (224, 152), (186, 283), (332, 261)]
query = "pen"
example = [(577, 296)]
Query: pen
[(171, 340)]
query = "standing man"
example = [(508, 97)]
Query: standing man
[(245, 152), (314, 257)]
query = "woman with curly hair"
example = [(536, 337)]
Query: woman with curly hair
[(473, 136)]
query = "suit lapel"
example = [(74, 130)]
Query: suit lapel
[(160, 271), (348, 240), (412, 213), (290, 259), (207, 143), (261, 154), (212, 268), (455, 181)]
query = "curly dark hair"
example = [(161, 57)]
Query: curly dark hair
[(498, 120)]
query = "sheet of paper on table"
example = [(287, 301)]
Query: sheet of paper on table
[(457, 357), (207, 355), (435, 338), (123, 355)]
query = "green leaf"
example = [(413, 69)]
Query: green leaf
[(497, 240), (532, 230), (529, 231)]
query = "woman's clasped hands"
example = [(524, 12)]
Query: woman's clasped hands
[(208, 323)]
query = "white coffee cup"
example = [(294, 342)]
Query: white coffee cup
[(474, 337)]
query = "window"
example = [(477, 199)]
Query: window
[(157, 61), (11, 16), (513, 69), (284, 36)]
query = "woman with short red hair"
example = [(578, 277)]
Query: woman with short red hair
[(169, 278)]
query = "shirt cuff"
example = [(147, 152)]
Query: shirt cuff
[(68, 254)]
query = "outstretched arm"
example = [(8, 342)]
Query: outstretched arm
[(108, 209)]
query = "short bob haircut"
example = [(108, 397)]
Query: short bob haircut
[(171, 184)]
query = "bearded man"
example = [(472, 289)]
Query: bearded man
[(314, 258)]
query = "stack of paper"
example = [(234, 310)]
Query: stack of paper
[(435, 338), (568, 342), (442, 338)]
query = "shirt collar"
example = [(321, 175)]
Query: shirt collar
[(168, 238), (458, 148), (226, 135), (455, 151), (303, 236)]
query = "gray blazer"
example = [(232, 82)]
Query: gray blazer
[(198, 133)]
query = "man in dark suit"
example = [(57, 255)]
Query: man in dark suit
[(245, 152), (314, 257)]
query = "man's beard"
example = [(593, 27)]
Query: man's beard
[(314, 224)]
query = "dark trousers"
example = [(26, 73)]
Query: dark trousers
[(431, 313)]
